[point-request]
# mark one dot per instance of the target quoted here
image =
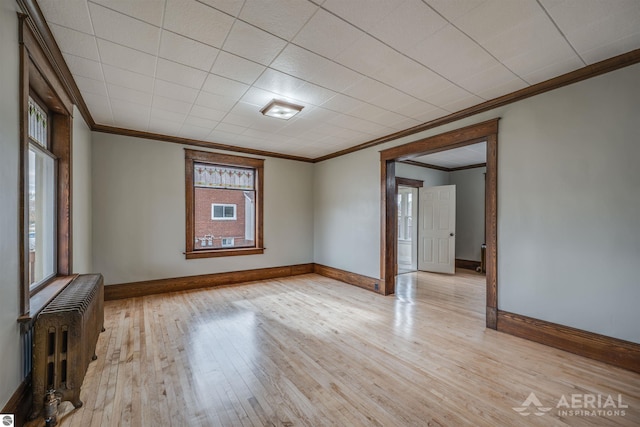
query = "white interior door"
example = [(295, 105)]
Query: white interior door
[(436, 231)]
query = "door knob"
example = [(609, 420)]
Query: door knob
[(451, 234)]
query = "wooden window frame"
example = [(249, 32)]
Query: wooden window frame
[(38, 79), (195, 156)]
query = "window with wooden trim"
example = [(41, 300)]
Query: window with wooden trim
[(41, 194), (45, 176), (223, 204)]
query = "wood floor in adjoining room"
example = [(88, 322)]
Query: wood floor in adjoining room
[(312, 351)]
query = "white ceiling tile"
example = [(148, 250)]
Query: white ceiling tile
[(186, 51), (317, 114), (229, 128), (194, 132), (169, 116), (87, 85), (448, 94), (366, 89), (236, 68), (342, 103), (200, 122), (149, 11), (490, 78), (413, 108), (253, 43), (327, 35), (279, 83), (164, 127), (75, 43), (391, 99), (462, 103), (260, 97), (453, 9), (225, 87), (268, 124), (429, 115), (552, 70), (605, 51), (500, 89), (363, 13), (313, 94), (197, 21), (175, 91), (123, 109), (168, 104), (67, 13), (367, 55), (299, 62), (284, 18), (126, 58), (129, 95), (180, 74), (216, 102), (452, 54), (596, 29), (83, 67), (232, 7), (118, 28), (335, 77), (238, 120), (366, 111), (409, 24), (128, 78), (100, 108), (400, 72), (207, 113)]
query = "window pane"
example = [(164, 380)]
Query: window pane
[(37, 123), (41, 217), (223, 218)]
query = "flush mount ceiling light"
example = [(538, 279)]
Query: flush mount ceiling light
[(281, 109)]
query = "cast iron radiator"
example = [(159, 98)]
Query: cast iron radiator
[(65, 336)]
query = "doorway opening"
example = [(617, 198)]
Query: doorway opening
[(482, 132)]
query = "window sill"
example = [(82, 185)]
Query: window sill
[(48, 292), (223, 252)]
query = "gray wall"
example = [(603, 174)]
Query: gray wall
[(81, 182), (139, 213), (469, 212), (431, 177), (10, 353), (568, 205)]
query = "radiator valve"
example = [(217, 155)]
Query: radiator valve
[(51, 402)]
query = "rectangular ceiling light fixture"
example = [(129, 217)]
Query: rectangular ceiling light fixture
[(281, 109)]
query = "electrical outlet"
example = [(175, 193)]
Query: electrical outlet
[(376, 286)]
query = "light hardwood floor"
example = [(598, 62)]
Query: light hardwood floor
[(309, 350)]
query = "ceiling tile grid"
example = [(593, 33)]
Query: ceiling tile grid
[(362, 69)]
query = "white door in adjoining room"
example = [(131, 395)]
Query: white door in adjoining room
[(436, 231)]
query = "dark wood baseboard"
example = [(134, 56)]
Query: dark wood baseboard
[(20, 402), (151, 287), (616, 352), (348, 277), (469, 265)]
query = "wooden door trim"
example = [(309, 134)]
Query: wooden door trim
[(485, 131)]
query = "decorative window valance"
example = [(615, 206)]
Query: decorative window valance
[(214, 176)]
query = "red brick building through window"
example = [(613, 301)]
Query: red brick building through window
[(224, 207)]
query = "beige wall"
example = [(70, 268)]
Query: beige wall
[(139, 213), (568, 205)]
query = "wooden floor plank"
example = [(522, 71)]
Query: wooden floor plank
[(312, 351)]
